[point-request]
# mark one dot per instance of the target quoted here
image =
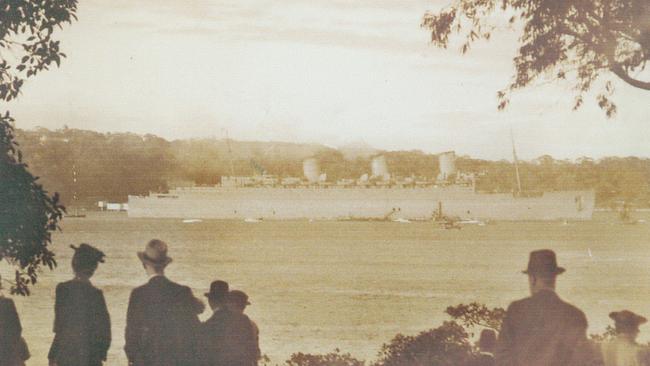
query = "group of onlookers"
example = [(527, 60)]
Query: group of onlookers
[(544, 330), (163, 328), (162, 325)]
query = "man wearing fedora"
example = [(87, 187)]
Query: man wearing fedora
[(162, 317), (542, 329), (623, 349), (212, 329)]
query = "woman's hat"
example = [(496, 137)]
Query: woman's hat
[(543, 263), (86, 253), (155, 253), (627, 320), (238, 297), (218, 290)]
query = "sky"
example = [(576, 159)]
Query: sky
[(335, 72)]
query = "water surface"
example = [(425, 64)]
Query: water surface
[(316, 286)]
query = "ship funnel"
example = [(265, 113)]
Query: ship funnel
[(311, 170), (380, 168), (447, 162)]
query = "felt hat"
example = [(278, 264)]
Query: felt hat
[(155, 253), (543, 263), (218, 290)]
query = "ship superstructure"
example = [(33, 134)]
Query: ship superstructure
[(377, 195)]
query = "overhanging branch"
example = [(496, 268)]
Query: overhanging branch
[(623, 75)]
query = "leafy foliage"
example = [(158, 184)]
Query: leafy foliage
[(27, 213), (581, 39), (477, 315), (335, 358), (608, 335), (446, 345), (26, 30)]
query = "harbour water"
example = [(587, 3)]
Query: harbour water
[(320, 285)]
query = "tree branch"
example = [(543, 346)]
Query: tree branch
[(623, 75)]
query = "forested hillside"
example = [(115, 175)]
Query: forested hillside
[(110, 166)]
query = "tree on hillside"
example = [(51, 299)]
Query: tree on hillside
[(28, 214), (579, 40)]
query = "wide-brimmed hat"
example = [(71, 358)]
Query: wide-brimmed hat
[(155, 253), (218, 290), (543, 262), (627, 320), (238, 297)]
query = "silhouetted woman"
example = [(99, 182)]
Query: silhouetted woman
[(13, 349), (81, 322)]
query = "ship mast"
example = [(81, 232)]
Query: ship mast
[(75, 198), (514, 155), (232, 167)]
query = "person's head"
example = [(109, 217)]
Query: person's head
[(487, 342), (627, 323), (154, 257), (85, 260), (237, 301), (217, 295), (542, 270)]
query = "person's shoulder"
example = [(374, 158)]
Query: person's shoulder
[(574, 314), (65, 288), (137, 291), (64, 285), (217, 319), (184, 294), (96, 291), (174, 285), (5, 301), (245, 319), (178, 289), (520, 304)]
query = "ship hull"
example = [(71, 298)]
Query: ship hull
[(360, 203)]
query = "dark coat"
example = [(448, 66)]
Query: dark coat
[(162, 324), (229, 339), (13, 350), (82, 325), (543, 330)]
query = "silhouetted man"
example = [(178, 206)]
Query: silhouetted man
[(162, 321), (543, 330), (623, 350), (212, 330), (239, 337)]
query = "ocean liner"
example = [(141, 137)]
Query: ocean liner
[(377, 196)]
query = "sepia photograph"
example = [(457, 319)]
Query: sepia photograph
[(324, 182)]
